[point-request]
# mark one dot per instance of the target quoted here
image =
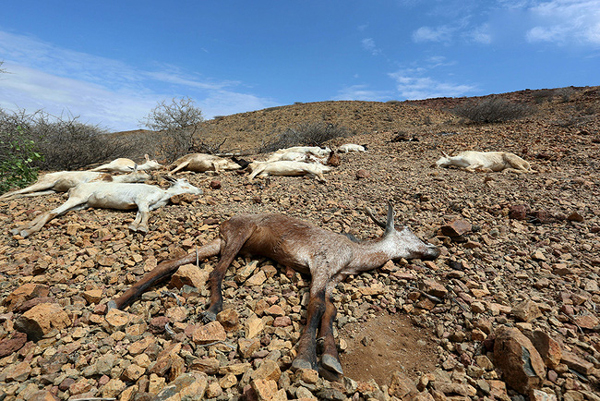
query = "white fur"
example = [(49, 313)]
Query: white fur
[(486, 161), (351, 147), (288, 168), (111, 195), (62, 181), (123, 165), (301, 153), (201, 162)]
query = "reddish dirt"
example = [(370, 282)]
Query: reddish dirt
[(385, 344)]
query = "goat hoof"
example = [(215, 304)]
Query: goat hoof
[(300, 363), (329, 375), (208, 317), (111, 305), (331, 364)]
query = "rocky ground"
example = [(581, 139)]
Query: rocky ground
[(509, 309)]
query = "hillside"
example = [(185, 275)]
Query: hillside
[(527, 258)]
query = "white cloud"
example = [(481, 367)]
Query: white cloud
[(361, 92), (566, 21), (369, 45), (427, 34), (414, 87), (103, 91), (480, 34)]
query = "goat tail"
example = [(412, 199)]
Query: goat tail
[(163, 271)]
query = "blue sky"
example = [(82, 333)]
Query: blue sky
[(110, 62)]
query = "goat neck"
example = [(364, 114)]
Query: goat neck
[(394, 244)]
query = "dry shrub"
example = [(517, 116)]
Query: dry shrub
[(306, 134), (492, 110)]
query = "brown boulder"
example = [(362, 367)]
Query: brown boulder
[(522, 366), (41, 320)]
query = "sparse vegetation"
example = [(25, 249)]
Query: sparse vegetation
[(17, 157), (492, 110), (179, 122), (308, 133)]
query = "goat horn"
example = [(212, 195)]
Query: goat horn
[(369, 213), (390, 218), (445, 154)]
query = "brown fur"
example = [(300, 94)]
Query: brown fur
[(328, 257)]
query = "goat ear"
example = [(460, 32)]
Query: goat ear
[(147, 157), (389, 226)]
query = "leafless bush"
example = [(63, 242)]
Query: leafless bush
[(65, 142), (492, 110), (308, 134), (179, 121)]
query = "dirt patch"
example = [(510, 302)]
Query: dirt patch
[(380, 346)]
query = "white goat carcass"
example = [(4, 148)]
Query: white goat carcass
[(351, 147), (301, 153), (486, 161), (112, 195), (200, 163), (62, 181), (287, 168), (123, 165)]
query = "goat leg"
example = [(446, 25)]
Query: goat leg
[(307, 345), (330, 367), (162, 271)]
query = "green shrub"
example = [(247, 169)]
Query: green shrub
[(492, 110), (306, 134), (17, 157)]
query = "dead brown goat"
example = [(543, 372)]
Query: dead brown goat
[(327, 256)]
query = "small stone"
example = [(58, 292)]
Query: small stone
[(361, 174), (526, 311), (229, 319), (268, 369), (93, 296), (575, 216), (456, 228), (41, 319), (401, 386), (208, 333)]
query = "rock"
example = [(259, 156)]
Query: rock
[(25, 293), (575, 216), (401, 386), (268, 369), (576, 363), (209, 333), (361, 174), (247, 347), (586, 321), (522, 366), (254, 326), (118, 319), (456, 228), (229, 319), (190, 275), (518, 212), (526, 311), (190, 386), (549, 349), (434, 288), (113, 388), (93, 296), (215, 184), (41, 320), (265, 389), (12, 344)]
